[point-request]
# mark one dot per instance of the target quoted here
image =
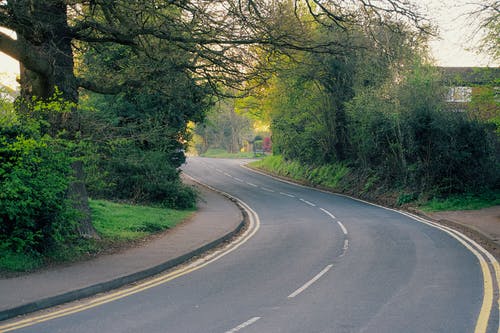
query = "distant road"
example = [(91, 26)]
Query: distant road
[(318, 263)]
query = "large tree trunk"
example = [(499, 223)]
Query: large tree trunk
[(78, 193), (52, 44)]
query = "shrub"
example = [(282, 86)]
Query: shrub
[(34, 176), (132, 174)]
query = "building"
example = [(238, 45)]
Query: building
[(473, 89)]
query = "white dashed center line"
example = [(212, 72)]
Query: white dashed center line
[(344, 230), (307, 202), (310, 282), (245, 324), (328, 213)]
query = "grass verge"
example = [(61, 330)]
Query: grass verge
[(466, 201), (121, 222), (326, 176), (117, 224), (339, 178)]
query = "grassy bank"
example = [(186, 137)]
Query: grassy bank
[(325, 176), (116, 224), (340, 178)]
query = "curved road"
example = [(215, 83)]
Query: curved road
[(318, 263)]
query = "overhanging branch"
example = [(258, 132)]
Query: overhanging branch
[(25, 54), (105, 88)]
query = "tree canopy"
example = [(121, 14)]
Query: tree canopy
[(216, 34)]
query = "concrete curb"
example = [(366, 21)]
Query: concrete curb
[(124, 280)]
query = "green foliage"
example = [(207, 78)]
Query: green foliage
[(447, 152), (34, 176), (126, 172), (298, 124), (116, 223), (380, 110), (465, 201), (121, 222), (410, 141), (489, 24), (223, 128), (19, 262), (329, 175), (135, 140), (405, 198), (375, 135), (7, 113)]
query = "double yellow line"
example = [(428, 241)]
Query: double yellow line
[(486, 260), (490, 281), (253, 227)]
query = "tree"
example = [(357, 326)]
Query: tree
[(217, 35), (135, 139), (488, 15), (224, 128)]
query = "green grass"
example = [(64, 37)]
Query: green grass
[(463, 202), (221, 153), (332, 175), (326, 175), (121, 222), (115, 223)]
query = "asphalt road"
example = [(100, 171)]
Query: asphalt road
[(318, 263)]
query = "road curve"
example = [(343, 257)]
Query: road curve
[(318, 263)]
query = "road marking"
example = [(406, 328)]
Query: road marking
[(218, 170), (226, 174), (485, 312), (287, 194), (254, 225), (238, 179), (245, 324), (345, 248), (328, 213), (344, 230), (267, 189), (251, 184), (307, 202), (486, 307), (310, 282)]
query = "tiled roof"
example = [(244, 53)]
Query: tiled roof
[(470, 76)]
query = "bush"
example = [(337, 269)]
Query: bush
[(132, 174), (34, 177), (449, 153)]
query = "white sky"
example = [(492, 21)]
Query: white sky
[(455, 30)]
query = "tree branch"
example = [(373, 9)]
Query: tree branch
[(9, 46), (105, 88), (25, 54)]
